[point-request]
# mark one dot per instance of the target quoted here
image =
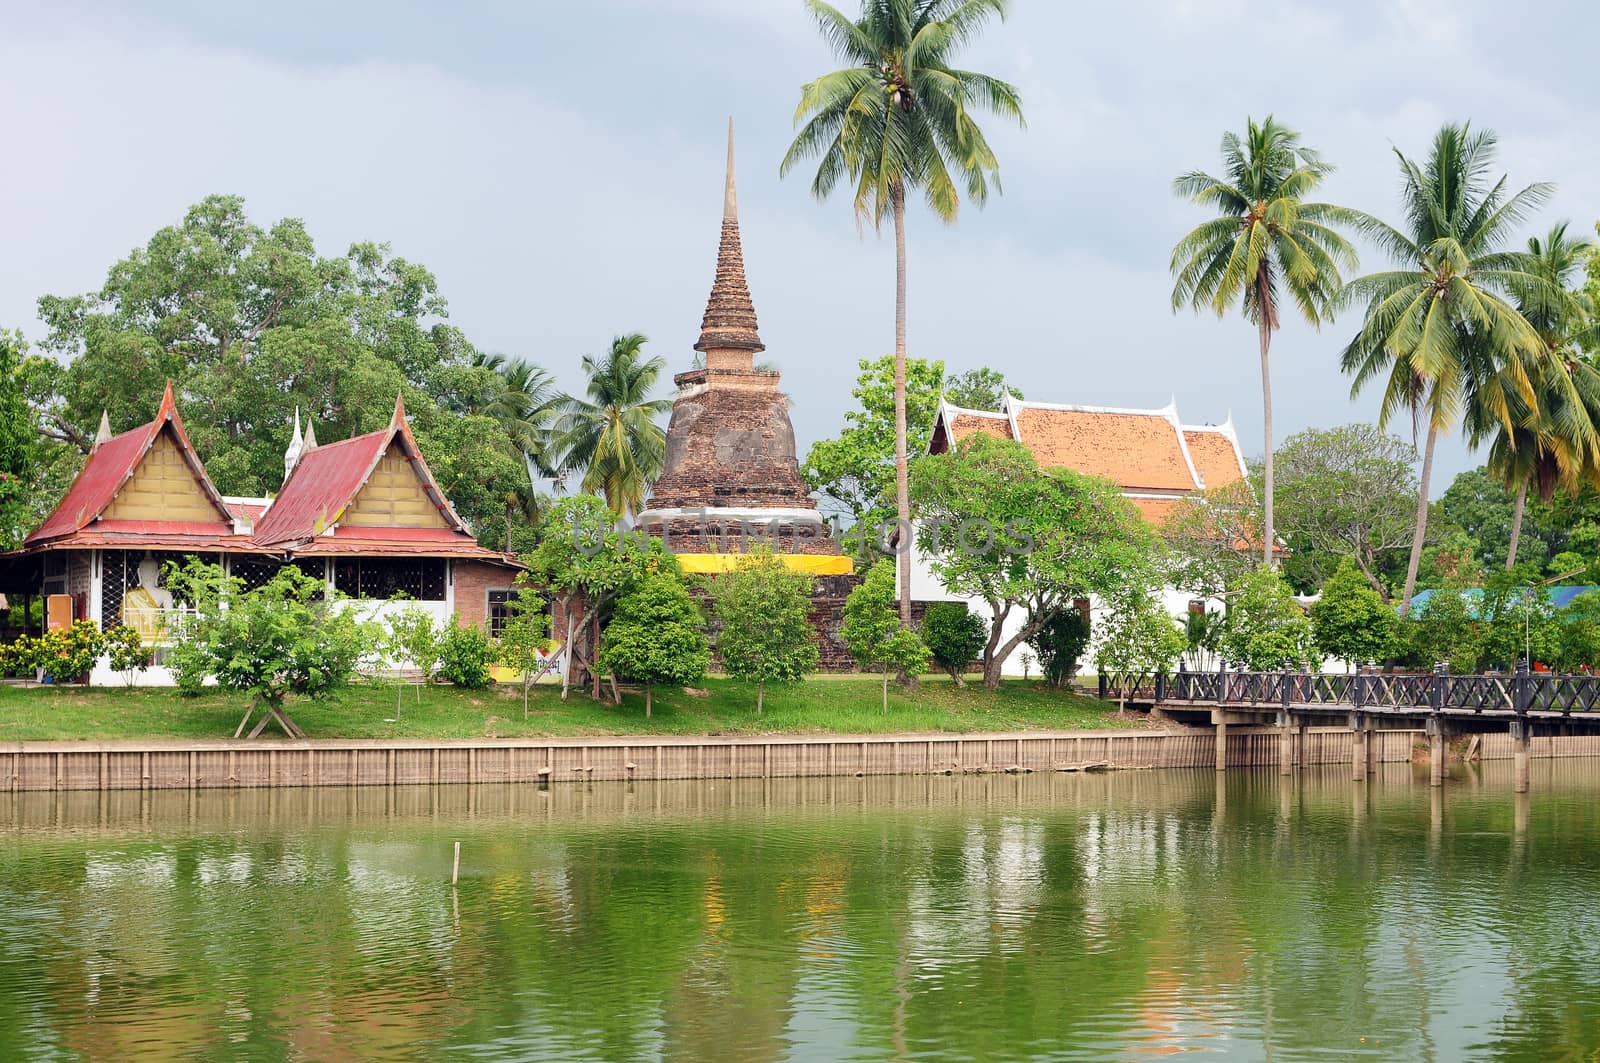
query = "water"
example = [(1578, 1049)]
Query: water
[(1040, 917)]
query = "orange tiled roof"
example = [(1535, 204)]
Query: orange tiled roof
[(1215, 453), (1131, 448), (963, 425)]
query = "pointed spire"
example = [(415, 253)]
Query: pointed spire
[(728, 333), (104, 431), (169, 405), (291, 455), (399, 410), (310, 443)]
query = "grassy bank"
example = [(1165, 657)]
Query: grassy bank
[(841, 704)]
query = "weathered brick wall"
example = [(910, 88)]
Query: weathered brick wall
[(473, 581)]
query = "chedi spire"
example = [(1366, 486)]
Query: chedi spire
[(728, 335)]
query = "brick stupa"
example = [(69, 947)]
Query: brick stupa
[(731, 477)]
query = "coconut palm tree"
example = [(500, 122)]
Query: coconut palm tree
[(1442, 328), (1554, 442), (899, 119), (613, 435), (1266, 246)]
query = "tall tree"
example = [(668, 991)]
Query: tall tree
[(1442, 327), (613, 435), (19, 444), (1267, 245), (1553, 441), (979, 389), (898, 119)]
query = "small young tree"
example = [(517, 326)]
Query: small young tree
[(524, 637), (873, 631), (465, 656), (764, 608), (955, 636), (1265, 629), (1059, 645), (1137, 637), (127, 653), (283, 638), (1443, 628), (656, 635), (1351, 620), (413, 637)]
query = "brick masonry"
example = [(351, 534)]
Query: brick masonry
[(473, 581)]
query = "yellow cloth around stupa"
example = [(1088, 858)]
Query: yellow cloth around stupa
[(816, 564)]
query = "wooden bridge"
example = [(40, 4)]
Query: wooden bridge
[(1522, 703)]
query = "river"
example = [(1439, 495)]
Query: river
[(1003, 917)]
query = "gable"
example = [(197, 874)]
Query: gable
[(1131, 449), (163, 487), (393, 497), (1214, 456)]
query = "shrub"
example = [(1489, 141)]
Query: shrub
[(1351, 621), (1060, 644), (17, 658), (873, 631), (465, 656), (67, 653), (413, 637), (765, 609), (127, 651), (955, 636), (1264, 628), (656, 635)]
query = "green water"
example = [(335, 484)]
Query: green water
[(1042, 917)]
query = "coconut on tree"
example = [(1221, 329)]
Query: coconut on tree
[(1267, 246), (899, 120), (1443, 329)]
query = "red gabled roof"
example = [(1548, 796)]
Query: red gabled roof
[(109, 466), (326, 479)]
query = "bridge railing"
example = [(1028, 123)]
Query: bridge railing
[(1519, 692)]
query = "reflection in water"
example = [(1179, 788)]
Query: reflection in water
[(998, 917)]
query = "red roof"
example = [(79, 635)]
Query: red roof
[(109, 466), (321, 485)]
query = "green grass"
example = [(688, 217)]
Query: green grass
[(829, 704)]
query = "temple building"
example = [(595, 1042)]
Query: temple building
[(1152, 456), (731, 478), (364, 514)]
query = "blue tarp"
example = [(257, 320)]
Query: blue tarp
[(1559, 597)]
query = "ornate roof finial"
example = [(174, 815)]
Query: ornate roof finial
[(728, 333), (311, 436), (104, 431), (399, 409), (291, 454)]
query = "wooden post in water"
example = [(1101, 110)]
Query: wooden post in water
[(455, 867), (1219, 717), (1285, 744), (1520, 741), (1360, 746)]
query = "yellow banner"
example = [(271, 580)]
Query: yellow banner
[(816, 564)]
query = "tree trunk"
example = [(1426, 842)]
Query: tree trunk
[(902, 485), (1422, 519), (1516, 525), (508, 527), (1264, 309), (761, 694), (955, 673), (886, 693), (647, 689), (525, 686)]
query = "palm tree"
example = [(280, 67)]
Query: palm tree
[(613, 435), (1554, 442), (899, 119), (1442, 327), (1266, 245)]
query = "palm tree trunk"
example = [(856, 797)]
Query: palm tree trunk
[(1263, 307), (902, 485), (1516, 525), (1422, 519)]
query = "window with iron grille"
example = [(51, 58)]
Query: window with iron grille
[(119, 574), (252, 571), (499, 609), (419, 578)]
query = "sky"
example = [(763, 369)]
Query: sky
[(559, 168)]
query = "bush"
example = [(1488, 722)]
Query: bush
[(1060, 644), (656, 635), (465, 656), (127, 651), (955, 635), (17, 659), (1264, 628), (67, 653), (1351, 621)]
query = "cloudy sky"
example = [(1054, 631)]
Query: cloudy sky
[(559, 169)]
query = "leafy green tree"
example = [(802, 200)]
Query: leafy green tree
[(1446, 629), (955, 636), (19, 446), (524, 638), (1214, 538), (1441, 328), (465, 655), (1552, 438), (612, 435), (1351, 620), (1266, 246), (1579, 633), (1345, 493), (1137, 637), (127, 653), (1516, 620), (413, 638), (657, 635), (878, 639), (1264, 628), (1060, 645), (283, 638), (978, 389), (854, 473), (997, 528), (897, 119), (764, 609), (587, 564)]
